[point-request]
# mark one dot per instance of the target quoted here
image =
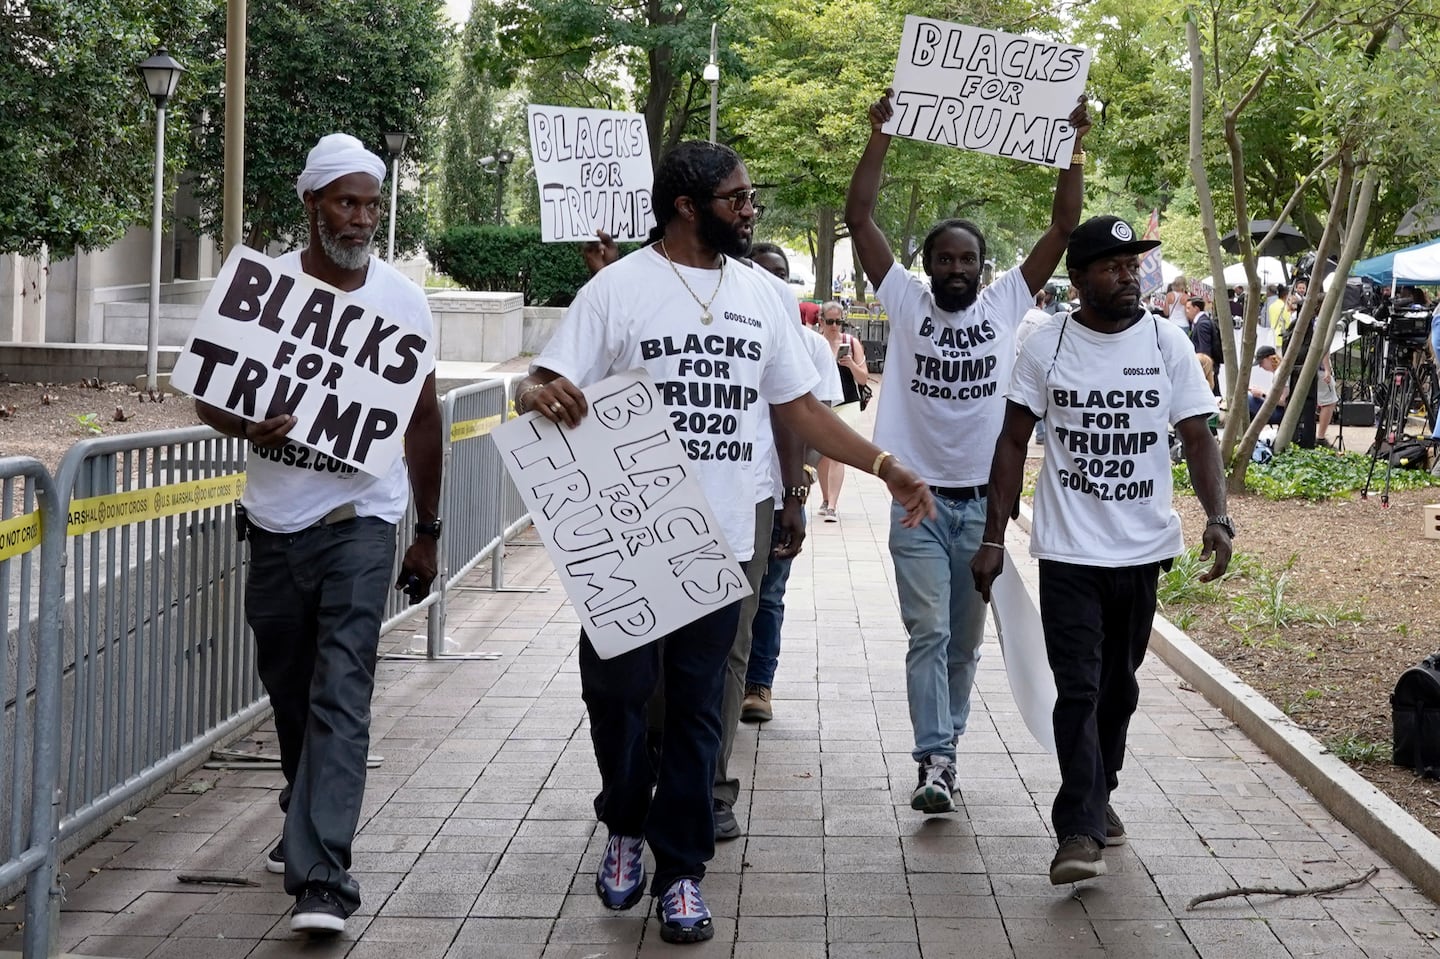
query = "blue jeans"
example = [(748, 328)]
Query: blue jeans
[(769, 618), (315, 600), (944, 616)]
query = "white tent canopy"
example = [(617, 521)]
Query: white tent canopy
[(1418, 266), (1269, 269)]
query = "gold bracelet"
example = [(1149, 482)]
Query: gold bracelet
[(526, 391), (1077, 158), (879, 462)]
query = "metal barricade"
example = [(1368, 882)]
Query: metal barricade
[(30, 516), (161, 664)]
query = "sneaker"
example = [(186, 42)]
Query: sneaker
[(275, 862), (1114, 828), (755, 707), (1079, 858), (828, 515), (683, 915), (936, 791), (620, 880), (726, 828), (317, 912)]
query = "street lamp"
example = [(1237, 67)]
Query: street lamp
[(394, 145), (496, 164), (711, 75), (161, 75)]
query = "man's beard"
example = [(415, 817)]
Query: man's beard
[(954, 302), (343, 255), (720, 236)]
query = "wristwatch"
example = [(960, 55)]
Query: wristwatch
[(800, 493), (431, 530), (1223, 521)]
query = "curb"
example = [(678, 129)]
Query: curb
[(1348, 796)]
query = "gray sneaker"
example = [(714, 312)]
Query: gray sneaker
[(1114, 828), (1079, 858), (726, 827), (935, 793)]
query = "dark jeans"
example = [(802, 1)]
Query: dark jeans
[(1276, 415), (1097, 626), (679, 822), (769, 617), (314, 601)]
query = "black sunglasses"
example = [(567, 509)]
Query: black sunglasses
[(739, 198), (829, 322)]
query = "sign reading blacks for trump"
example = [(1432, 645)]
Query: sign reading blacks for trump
[(622, 516), (593, 169), (271, 340), (987, 91)]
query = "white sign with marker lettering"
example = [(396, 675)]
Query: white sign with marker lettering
[(987, 91), (593, 170)]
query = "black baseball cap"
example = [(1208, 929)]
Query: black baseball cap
[(1265, 352), (1102, 236)]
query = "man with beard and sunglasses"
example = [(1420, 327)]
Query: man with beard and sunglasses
[(1109, 380), (951, 347), (322, 547), (718, 338)]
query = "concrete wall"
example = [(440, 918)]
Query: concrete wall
[(70, 362), (540, 323), (477, 326)]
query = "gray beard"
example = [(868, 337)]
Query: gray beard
[(343, 256)]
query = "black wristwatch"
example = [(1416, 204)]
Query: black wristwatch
[(1223, 521), (431, 530), (801, 493)]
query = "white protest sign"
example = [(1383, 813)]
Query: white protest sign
[(272, 340), (593, 170), (622, 516), (1022, 644), (987, 91)]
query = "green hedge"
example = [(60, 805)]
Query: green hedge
[(511, 258)]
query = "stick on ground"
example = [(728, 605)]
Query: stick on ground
[(1278, 891)]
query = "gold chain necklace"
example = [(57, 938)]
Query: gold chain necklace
[(705, 316)]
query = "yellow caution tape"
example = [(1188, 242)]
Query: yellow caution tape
[(19, 535), (469, 429), (94, 513)]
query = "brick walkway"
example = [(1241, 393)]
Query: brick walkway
[(478, 838)]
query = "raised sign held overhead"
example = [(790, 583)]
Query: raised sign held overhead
[(987, 91), (271, 340), (594, 173)]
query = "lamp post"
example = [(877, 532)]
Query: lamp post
[(394, 145), (161, 74), (711, 75), (496, 164)]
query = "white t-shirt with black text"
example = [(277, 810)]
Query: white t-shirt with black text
[(291, 487), (714, 381), (941, 408), (1108, 401)]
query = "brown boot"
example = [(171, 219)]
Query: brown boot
[(755, 707)]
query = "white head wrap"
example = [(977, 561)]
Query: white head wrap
[(334, 156)]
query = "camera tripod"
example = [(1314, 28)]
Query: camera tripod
[(1409, 385)]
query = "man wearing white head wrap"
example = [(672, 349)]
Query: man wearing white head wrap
[(322, 546)]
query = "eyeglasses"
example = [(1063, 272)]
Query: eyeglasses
[(739, 198), (830, 322)]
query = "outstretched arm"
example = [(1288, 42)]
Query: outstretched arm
[(1040, 265), (870, 243), (1006, 471)]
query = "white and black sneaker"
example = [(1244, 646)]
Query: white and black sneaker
[(936, 790), (275, 862), (317, 912)]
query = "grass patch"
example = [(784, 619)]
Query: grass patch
[(1353, 749), (1182, 585), (1316, 474)]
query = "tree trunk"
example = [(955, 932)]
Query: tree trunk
[(825, 219), (662, 81)]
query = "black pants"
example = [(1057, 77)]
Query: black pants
[(315, 600), (1097, 626), (679, 822)]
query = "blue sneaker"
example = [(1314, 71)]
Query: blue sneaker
[(683, 914), (620, 880)]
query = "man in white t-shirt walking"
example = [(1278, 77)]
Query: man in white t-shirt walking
[(950, 351), (1109, 381), (720, 342), (322, 545)]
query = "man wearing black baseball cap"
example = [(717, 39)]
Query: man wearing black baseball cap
[(1110, 380)]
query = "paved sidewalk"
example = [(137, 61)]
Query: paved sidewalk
[(479, 839)]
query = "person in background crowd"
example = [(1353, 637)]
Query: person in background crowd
[(951, 346), (1110, 380), (322, 547), (1175, 299), (849, 354), (661, 309)]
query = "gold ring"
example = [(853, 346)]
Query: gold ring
[(556, 407)]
